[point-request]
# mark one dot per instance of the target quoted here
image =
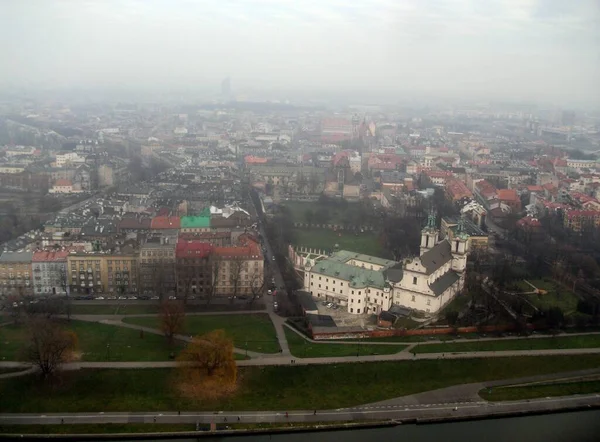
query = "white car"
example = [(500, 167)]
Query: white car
[(269, 292), (100, 298), (273, 258), (154, 298)]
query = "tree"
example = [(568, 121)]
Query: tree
[(257, 285), (213, 281), (451, 317), (172, 316), (235, 275), (49, 345), (313, 182), (301, 182), (207, 366), (322, 215), (555, 317)]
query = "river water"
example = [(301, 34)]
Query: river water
[(581, 426)]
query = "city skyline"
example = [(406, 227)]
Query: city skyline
[(514, 50)]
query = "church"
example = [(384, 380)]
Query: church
[(369, 285), (430, 281)]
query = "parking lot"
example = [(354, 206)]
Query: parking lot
[(344, 319)]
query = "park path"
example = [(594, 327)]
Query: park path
[(279, 359), (179, 337)]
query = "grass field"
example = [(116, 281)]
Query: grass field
[(254, 329), (95, 428), (510, 393), (97, 342), (301, 348), (367, 242), (556, 296), (270, 388), (583, 341), (336, 214)]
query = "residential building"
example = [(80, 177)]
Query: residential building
[(49, 270), (193, 268), (239, 269), (93, 273), (580, 220), (15, 273), (157, 267)]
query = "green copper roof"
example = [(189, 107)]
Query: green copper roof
[(195, 221)]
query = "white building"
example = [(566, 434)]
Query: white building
[(61, 186), (49, 270), (367, 284), (69, 158)]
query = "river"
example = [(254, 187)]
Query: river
[(581, 426)]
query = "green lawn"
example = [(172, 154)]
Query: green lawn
[(367, 242), (301, 348), (583, 341), (270, 388), (97, 342), (95, 428), (510, 393), (337, 215), (254, 329), (557, 295)]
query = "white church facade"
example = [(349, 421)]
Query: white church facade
[(369, 285)]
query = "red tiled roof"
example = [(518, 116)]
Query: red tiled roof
[(249, 249), (529, 221), (535, 188), (508, 195), (165, 222), (63, 182), (197, 249), (49, 255)]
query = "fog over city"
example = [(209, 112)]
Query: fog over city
[(511, 49)]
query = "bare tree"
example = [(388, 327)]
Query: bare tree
[(50, 345), (172, 316), (257, 285), (235, 275), (213, 281)]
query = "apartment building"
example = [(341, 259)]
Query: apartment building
[(194, 273), (49, 270), (15, 273), (94, 273), (239, 269), (157, 267)]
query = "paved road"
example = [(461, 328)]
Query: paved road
[(422, 411)]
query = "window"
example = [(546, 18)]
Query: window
[(319, 278), (341, 284), (327, 280), (413, 298), (414, 279), (311, 284), (429, 302), (351, 310), (357, 310), (352, 291), (319, 285), (359, 301)]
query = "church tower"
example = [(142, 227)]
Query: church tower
[(429, 234), (460, 247)]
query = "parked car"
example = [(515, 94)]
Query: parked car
[(330, 304), (154, 298), (273, 258), (275, 306), (269, 292), (132, 297), (172, 298), (122, 297), (324, 303), (100, 298)]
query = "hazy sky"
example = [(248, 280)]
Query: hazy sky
[(531, 49)]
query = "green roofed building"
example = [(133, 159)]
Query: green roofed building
[(198, 223)]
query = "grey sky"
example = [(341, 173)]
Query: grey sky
[(514, 49)]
